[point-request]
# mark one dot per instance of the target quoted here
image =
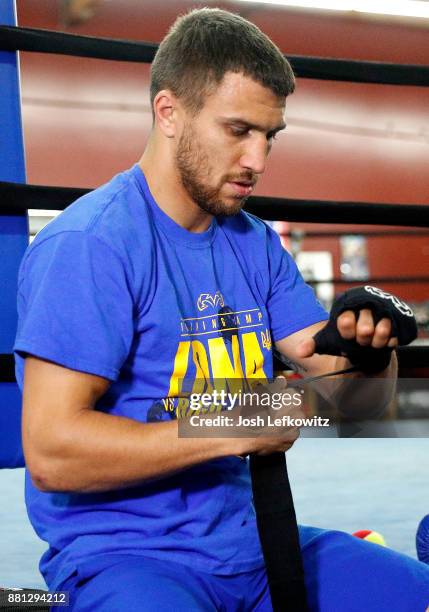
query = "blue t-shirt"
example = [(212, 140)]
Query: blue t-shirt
[(114, 287)]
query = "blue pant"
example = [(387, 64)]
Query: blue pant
[(343, 574)]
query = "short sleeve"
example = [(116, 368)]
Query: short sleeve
[(292, 304), (75, 306)]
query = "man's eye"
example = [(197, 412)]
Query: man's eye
[(239, 131)]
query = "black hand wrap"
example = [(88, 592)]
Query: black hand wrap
[(382, 305)]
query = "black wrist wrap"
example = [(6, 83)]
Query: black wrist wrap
[(382, 305)]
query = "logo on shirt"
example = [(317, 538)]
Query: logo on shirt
[(205, 300), (266, 339), (219, 347)]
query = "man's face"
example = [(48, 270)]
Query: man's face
[(222, 151)]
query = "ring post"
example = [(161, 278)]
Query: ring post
[(13, 241)]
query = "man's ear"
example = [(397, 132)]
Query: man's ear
[(165, 111)]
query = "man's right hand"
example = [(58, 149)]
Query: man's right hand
[(271, 438)]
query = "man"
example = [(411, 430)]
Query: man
[(122, 299)]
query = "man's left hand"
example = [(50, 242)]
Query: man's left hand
[(361, 328), (365, 325)]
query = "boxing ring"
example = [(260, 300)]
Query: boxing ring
[(17, 197)]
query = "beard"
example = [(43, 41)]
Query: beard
[(194, 169)]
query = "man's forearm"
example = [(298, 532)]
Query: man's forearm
[(359, 396), (101, 452)]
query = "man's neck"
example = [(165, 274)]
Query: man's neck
[(170, 195)]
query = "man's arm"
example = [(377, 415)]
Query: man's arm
[(299, 349), (69, 446)]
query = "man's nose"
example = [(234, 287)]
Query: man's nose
[(254, 156)]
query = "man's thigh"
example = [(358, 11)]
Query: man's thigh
[(140, 585), (345, 573)]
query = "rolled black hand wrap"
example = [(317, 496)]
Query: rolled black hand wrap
[(382, 305)]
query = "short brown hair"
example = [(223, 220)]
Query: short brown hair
[(203, 45)]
